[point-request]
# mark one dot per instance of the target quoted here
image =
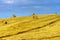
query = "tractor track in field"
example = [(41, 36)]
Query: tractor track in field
[(50, 37), (53, 21)]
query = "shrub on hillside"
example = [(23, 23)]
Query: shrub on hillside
[(5, 22), (34, 16), (14, 15)]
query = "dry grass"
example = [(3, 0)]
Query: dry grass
[(46, 27)]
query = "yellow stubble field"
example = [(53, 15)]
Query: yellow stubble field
[(45, 27)]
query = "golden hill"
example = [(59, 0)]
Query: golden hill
[(44, 27)]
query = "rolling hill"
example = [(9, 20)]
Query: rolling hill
[(44, 27)]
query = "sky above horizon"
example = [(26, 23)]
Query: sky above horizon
[(26, 7)]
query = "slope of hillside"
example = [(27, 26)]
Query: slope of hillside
[(46, 27)]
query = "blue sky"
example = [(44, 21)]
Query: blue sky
[(26, 7)]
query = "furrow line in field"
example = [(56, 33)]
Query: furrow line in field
[(49, 37), (51, 22)]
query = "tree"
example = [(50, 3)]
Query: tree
[(14, 15), (34, 16)]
